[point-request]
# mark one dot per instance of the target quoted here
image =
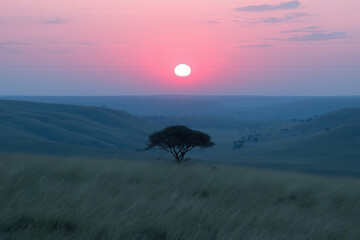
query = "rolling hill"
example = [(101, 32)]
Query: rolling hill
[(67, 129), (327, 143)]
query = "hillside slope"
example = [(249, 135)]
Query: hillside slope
[(333, 136), (330, 142), (65, 129)]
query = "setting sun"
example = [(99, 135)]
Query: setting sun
[(182, 70)]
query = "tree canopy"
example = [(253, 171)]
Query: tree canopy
[(178, 140)]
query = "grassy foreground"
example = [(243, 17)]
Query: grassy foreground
[(55, 198)]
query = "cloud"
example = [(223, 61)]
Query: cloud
[(56, 51), (305, 29), (85, 43), (276, 39), (319, 36), (313, 36), (75, 43), (14, 43), (292, 17), (311, 27), (56, 21), (256, 46), (275, 20), (298, 14), (267, 7), (214, 22), (10, 46), (9, 50)]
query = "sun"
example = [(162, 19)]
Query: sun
[(182, 70)]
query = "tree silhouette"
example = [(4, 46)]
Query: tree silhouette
[(178, 140)]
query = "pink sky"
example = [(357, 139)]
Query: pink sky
[(112, 47)]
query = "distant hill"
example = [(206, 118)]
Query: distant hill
[(330, 142), (336, 137), (240, 107), (143, 105), (67, 129), (333, 119), (303, 108)]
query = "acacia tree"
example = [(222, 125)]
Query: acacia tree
[(178, 140)]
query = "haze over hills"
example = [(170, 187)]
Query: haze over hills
[(68, 130), (241, 107)]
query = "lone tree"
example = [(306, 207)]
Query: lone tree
[(178, 140)]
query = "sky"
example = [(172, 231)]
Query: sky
[(131, 47)]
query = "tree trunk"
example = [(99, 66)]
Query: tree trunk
[(182, 156), (179, 156), (176, 156)]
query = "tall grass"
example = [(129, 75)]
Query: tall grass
[(58, 198)]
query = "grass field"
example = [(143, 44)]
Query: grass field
[(64, 198)]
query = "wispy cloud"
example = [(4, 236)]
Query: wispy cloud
[(276, 20), (74, 43), (56, 50), (267, 7), (14, 43), (311, 34), (56, 21), (319, 36), (214, 22), (300, 30), (291, 17), (256, 46), (9, 50), (12, 46), (314, 36), (311, 27)]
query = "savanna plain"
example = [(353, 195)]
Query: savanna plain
[(79, 171)]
